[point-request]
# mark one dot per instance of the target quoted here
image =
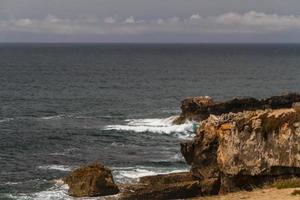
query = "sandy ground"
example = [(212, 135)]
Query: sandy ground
[(262, 194)]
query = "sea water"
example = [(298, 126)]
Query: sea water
[(66, 105)]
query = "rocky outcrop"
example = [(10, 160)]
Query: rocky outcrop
[(91, 181), (165, 186), (199, 108), (246, 149), (241, 144)]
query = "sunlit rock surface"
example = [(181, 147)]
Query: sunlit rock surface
[(248, 148), (91, 181)]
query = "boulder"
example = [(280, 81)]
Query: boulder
[(91, 181), (199, 108), (246, 149)]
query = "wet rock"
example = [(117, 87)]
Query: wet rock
[(199, 108), (166, 186), (91, 181), (245, 149)]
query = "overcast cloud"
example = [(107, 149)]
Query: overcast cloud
[(141, 21)]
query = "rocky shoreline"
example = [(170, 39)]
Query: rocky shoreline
[(240, 144), (200, 108)]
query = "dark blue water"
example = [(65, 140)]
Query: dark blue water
[(65, 105)]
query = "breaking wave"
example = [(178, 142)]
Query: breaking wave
[(125, 174), (58, 191), (56, 167), (51, 117), (160, 125), (6, 120)]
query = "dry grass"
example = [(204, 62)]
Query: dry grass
[(258, 194), (288, 183)]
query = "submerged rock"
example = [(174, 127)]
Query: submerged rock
[(91, 181), (199, 108), (246, 149)]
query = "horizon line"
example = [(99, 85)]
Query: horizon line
[(149, 42)]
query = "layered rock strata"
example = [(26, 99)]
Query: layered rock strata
[(246, 149), (164, 186), (199, 108)]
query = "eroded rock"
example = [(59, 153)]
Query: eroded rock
[(165, 186), (246, 148), (199, 108), (91, 181)]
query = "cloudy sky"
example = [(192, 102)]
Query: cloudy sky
[(150, 21)]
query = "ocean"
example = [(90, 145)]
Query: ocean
[(67, 105)]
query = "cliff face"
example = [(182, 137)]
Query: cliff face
[(239, 150), (199, 108)]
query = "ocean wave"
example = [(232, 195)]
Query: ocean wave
[(12, 183), (57, 192), (51, 117), (160, 125), (127, 174), (6, 120), (136, 173), (56, 167), (64, 152)]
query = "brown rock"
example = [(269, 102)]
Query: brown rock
[(199, 108), (91, 181), (166, 186), (245, 149)]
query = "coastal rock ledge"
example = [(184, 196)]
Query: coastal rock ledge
[(199, 108), (239, 151)]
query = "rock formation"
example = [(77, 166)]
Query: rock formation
[(91, 181), (239, 144), (164, 186), (199, 108), (240, 150)]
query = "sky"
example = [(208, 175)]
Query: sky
[(150, 21)]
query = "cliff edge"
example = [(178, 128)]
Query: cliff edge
[(239, 151)]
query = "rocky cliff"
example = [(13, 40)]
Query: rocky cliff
[(240, 150), (199, 108)]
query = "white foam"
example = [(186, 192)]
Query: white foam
[(160, 125), (6, 120), (57, 192), (131, 173), (137, 173), (12, 183), (176, 158), (56, 167), (51, 117)]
